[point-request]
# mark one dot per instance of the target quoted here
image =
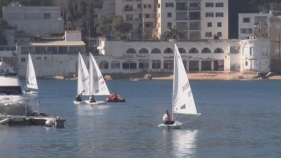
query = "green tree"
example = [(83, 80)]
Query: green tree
[(172, 33), (112, 25), (146, 34)]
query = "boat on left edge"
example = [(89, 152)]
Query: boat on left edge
[(15, 108)]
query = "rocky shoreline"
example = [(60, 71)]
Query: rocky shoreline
[(169, 76)]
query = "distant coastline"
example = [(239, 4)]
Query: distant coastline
[(169, 76)]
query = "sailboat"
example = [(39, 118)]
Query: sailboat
[(90, 83), (182, 100), (97, 84), (31, 81), (82, 79)]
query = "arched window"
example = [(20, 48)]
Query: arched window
[(115, 65), (129, 65), (182, 50), (131, 51), (143, 51), (104, 65), (155, 51), (206, 50), (168, 50), (218, 50), (193, 50)]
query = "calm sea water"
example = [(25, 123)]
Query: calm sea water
[(239, 119)]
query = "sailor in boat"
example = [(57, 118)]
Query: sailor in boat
[(26, 89), (78, 97), (115, 95), (92, 99), (167, 119)]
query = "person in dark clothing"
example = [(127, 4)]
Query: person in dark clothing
[(92, 99), (78, 97)]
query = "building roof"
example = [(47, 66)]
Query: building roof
[(54, 43), (73, 31)]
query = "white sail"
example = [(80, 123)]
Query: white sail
[(83, 77), (31, 81), (97, 82), (182, 100)]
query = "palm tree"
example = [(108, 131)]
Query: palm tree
[(172, 33)]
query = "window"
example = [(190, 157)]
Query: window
[(169, 14), (38, 58), (208, 34), (209, 4), (209, 24), (206, 50), (219, 34), (155, 51), (149, 6), (158, 5), (46, 15), (147, 25), (129, 65), (219, 4), (146, 15), (219, 14), (249, 30), (193, 50), (169, 24), (156, 64), (169, 5), (219, 24), (242, 30), (169, 50), (22, 60), (115, 65), (246, 63), (14, 15), (103, 65), (251, 51), (144, 6), (139, 6), (246, 20), (209, 14), (32, 15), (168, 64), (143, 65)]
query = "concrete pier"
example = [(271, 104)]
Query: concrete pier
[(49, 121)]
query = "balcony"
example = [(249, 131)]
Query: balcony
[(132, 10), (194, 28), (194, 8), (181, 18), (181, 8), (132, 0)]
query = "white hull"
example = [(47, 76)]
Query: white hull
[(176, 125), (87, 102), (30, 92)]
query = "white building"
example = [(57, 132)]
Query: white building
[(34, 20), (252, 24), (52, 58), (212, 55), (61, 57), (200, 19)]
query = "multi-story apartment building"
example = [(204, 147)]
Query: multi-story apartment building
[(36, 21), (253, 24), (197, 19), (140, 13)]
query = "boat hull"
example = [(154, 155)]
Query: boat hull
[(30, 92), (87, 102), (15, 109), (175, 125)]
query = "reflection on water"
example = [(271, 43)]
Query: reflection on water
[(183, 142)]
